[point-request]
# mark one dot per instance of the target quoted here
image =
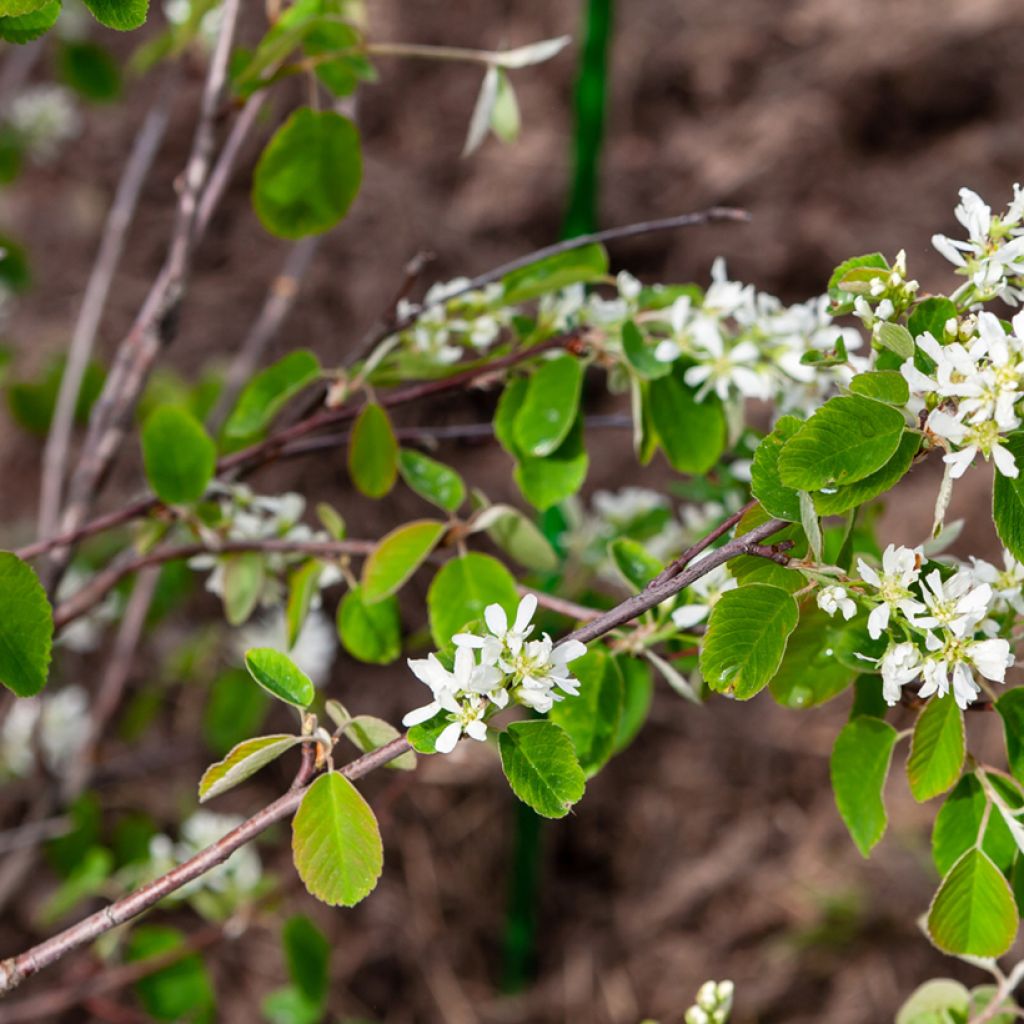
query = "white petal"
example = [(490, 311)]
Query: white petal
[(445, 743), (477, 730), (524, 616), (878, 620), (496, 619), (423, 714), (568, 651)]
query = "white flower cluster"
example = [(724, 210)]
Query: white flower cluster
[(886, 295), (252, 517), (53, 724), (446, 327), (44, 117), (992, 257), (236, 877), (713, 1004), (974, 390), (511, 668), (947, 625)]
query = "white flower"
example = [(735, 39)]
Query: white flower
[(900, 665), (726, 369), (46, 118), (952, 657), (900, 569), (707, 589), (314, 648), (979, 437), (502, 639), (835, 599), (958, 604), (57, 722), (1007, 585), (539, 668)]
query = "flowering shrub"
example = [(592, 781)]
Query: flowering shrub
[(767, 573)]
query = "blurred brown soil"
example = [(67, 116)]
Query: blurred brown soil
[(711, 848)]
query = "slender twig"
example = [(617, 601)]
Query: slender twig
[(1004, 991), (570, 609), (646, 227), (278, 304), (14, 970), (156, 322), (122, 211), (103, 582)]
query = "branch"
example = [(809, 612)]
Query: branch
[(14, 970), (103, 582), (122, 211)]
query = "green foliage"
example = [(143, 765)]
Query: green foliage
[(398, 555), (842, 499), (26, 628), (957, 825), (1011, 709), (178, 992), (432, 480), (746, 638), (336, 843), (936, 749), (370, 632), (519, 537), (308, 174), (883, 385), (973, 913), (847, 439), (179, 456), (850, 276), (637, 694), (89, 70), (244, 761), (24, 28), (33, 402), (639, 353), (279, 676), (592, 719), (462, 589), (122, 15), (244, 575), (1008, 501), (550, 406), (234, 710), (303, 587), (931, 316), (692, 434), (577, 266), (266, 394), (541, 766), (775, 497), (633, 561), (373, 452), (859, 767), (368, 733)]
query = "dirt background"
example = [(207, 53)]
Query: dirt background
[(711, 848)]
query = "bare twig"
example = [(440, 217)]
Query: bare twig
[(14, 970), (144, 150), (570, 609)]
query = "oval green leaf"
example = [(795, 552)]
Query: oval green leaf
[(937, 748), (373, 452), (267, 392), (398, 555), (859, 767), (279, 676), (431, 480), (540, 763), (243, 761), (369, 632), (26, 627), (179, 456), (462, 589), (549, 406)]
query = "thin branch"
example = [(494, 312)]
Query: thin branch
[(570, 609), (156, 322), (14, 970), (83, 337), (103, 582)]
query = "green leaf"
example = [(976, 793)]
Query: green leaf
[(842, 499), (931, 316), (845, 273), (549, 407), (937, 749), (859, 767), (847, 439), (551, 480), (179, 456), (242, 762), (692, 433), (370, 632), (637, 694), (1008, 500), (746, 638), (289, 1006), (1011, 709), (368, 733), (777, 499), (331, 521), (266, 394), (896, 338), (398, 555), (302, 588), (33, 402), (886, 386), (122, 15), (279, 676), (174, 993), (636, 566), (592, 719), (308, 174), (423, 737), (982, 996), (336, 842), (583, 265), (373, 452), (957, 825), (973, 913), (432, 480), (308, 955), (15, 8), (640, 355), (244, 575), (540, 764), (462, 589), (89, 70), (935, 1002), (26, 628), (26, 27)]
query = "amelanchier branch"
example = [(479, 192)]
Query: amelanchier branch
[(14, 970)]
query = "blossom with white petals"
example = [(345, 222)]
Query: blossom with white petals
[(1007, 584), (901, 664), (957, 604), (836, 599), (950, 662), (971, 439), (502, 637), (901, 568)]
